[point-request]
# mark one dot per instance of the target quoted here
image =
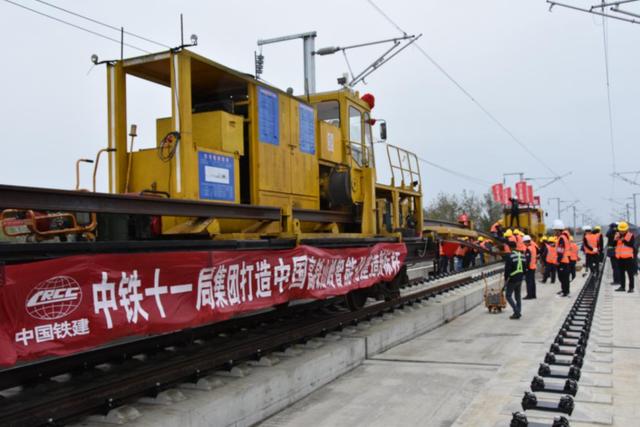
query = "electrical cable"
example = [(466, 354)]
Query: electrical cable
[(470, 178), (605, 41), (95, 21), (75, 26), (466, 92), (472, 98)]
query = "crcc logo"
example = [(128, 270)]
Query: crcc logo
[(54, 298)]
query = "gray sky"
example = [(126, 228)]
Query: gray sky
[(541, 74)]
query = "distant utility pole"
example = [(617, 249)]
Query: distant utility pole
[(571, 206), (635, 208), (558, 200), (505, 175), (614, 11)]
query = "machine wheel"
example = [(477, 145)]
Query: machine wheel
[(391, 290), (356, 299)]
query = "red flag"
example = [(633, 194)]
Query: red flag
[(536, 200), (497, 190), (521, 191), (507, 196), (530, 194)]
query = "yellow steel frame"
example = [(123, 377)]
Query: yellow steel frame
[(286, 195)]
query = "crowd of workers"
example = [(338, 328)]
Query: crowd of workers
[(557, 255)]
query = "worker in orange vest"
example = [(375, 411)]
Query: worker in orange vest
[(550, 260), (519, 243), (484, 244), (592, 247), (461, 251), (469, 258), (625, 254), (597, 230), (463, 219), (563, 248), (443, 259), (508, 235), (497, 228), (542, 252), (574, 257), (531, 256)]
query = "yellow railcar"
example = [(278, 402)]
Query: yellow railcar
[(235, 139), (529, 219)]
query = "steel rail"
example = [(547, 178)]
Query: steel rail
[(105, 391), (48, 199), (443, 223), (83, 201), (11, 253)]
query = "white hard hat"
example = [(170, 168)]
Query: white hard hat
[(526, 238), (558, 224), (587, 228)]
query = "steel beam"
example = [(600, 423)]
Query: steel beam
[(80, 201)]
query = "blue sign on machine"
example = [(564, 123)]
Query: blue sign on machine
[(217, 176), (268, 117), (307, 128)]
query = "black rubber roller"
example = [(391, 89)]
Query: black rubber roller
[(519, 420), (560, 422), (544, 370), (550, 358), (566, 404), (577, 361), (537, 384), (571, 387), (529, 401), (574, 373)]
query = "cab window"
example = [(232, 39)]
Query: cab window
[(329, 112), (355, 134)]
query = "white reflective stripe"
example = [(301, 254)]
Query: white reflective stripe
[(177, 113), (112, 139)]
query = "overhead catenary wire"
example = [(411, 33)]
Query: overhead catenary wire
[(78, 27), (468, 94), (605, 41), (95, 21), (461, 175)]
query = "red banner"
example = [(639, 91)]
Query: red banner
[(536, 200), (497, 190), (521, 191), (67, 305), (507, 196), (530, 194)]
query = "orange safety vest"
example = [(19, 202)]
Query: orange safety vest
[(552, 255), (461, 250), (533, 250), (564, 259), (592, 240), (520, 246), (441, 249), (599, 235), (494, 227), (573, 255), (623, 251)]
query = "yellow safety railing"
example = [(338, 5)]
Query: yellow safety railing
[(405, 168)]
